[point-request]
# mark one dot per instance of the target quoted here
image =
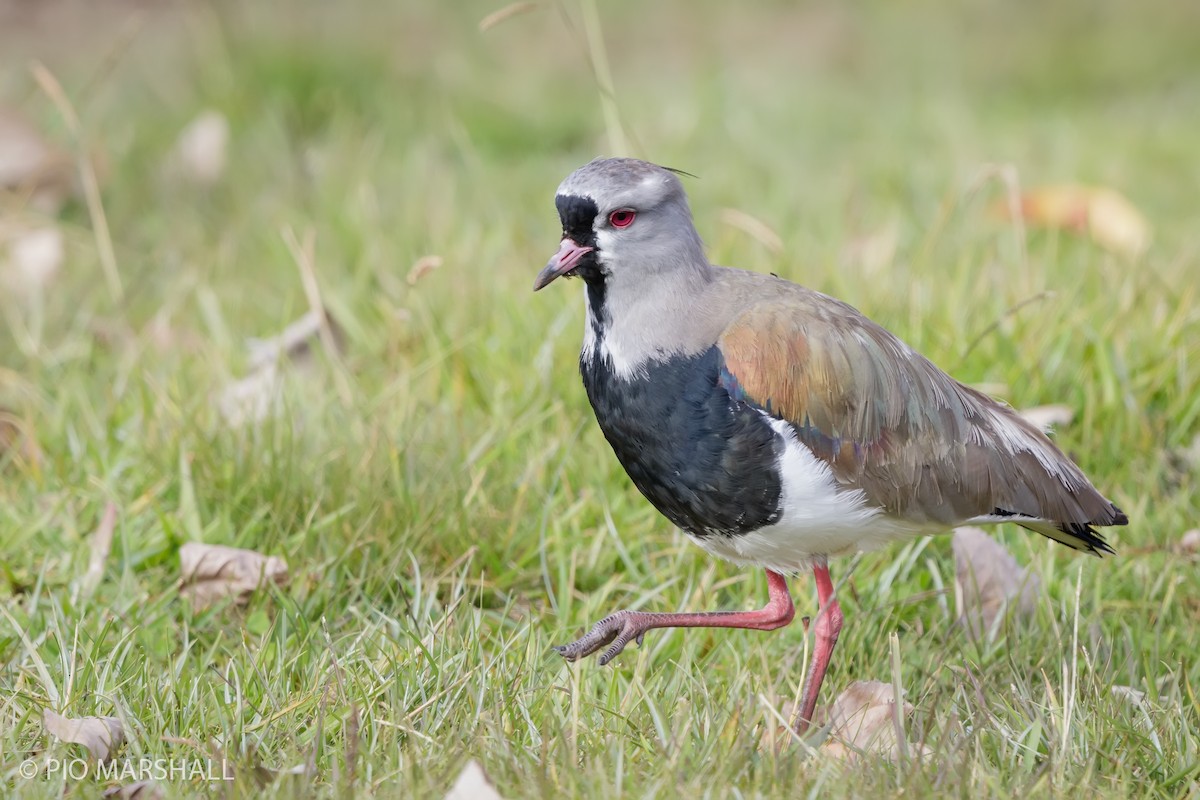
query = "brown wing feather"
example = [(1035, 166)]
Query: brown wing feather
[(918, 443)]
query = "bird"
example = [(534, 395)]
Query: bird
[(776, 426)]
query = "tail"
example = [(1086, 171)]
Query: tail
[(1079, 535), (1075, 535), (1038, 487)]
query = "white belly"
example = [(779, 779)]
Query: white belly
[(820, 518)]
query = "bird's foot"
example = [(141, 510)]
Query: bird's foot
[(619, 629)]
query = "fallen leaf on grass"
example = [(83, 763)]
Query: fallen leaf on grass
[(864, 721), (1047, 417), (1104, 214), (473, 784), (31, 167), (214, 572), (989, 580), (1134, 696), (200, 153), (1190, 541), (101, 545), (100, 735)]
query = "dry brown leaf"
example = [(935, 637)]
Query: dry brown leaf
[(200, 154), (1190, 541), (31, 167), (864, 721), (214, 572), (1049, 416), (1134, 696), (989, 580), (101, 546), (753, 227), (100, 735), (1105, 214), (511, 10), (142, 790), (473, 784), (423, 266)]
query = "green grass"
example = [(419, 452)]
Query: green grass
[(456, 512)]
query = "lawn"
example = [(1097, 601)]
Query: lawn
[(448, 509)]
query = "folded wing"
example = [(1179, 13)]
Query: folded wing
[(920, 445)]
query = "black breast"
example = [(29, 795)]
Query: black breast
[(706, 461)]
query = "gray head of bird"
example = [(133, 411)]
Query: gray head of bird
[(625, 222)]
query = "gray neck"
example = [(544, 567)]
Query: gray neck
[(649, 318)]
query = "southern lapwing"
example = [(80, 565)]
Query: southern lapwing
[(778, 426)]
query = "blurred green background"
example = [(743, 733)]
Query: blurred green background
[(446, 506)]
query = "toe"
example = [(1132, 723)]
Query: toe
[(601, 634), (613, 651), (616, 630)]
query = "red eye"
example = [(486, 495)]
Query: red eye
[(622, 218)]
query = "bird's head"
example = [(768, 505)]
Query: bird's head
[(622, 219)]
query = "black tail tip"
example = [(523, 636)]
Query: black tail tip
[(1088, 537)]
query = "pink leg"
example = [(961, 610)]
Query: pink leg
[(827, 628), (624, 627)]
